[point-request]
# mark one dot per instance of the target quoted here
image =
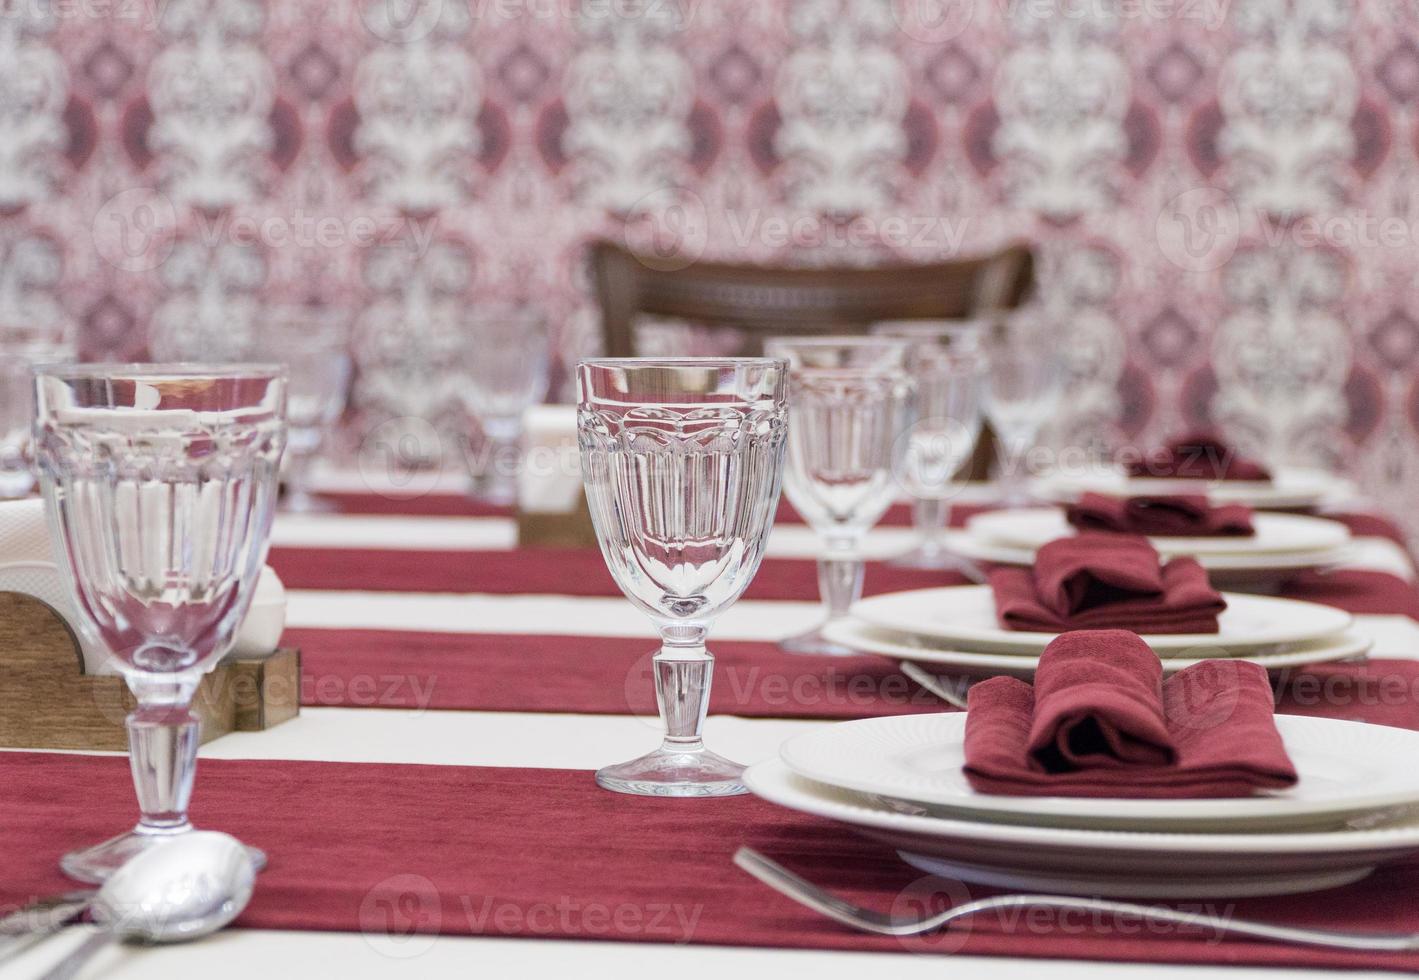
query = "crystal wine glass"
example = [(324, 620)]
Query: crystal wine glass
[(848, 406), (160, 483), (16, 473), (1022, 391), (682, 461), (314, 347), (948, 369), (22, 347), (506, 361)]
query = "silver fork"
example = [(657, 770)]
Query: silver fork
[(805, 893), (951, 690)]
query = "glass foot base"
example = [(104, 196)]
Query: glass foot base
[(306, 503), (94, 865), (815, 644), (929, 559), (666, 772)]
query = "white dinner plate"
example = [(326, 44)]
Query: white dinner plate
[(1033, 528), (964, 616), (1123, 863), (1346, 769), (973, 664), (1290, 488), (1262, 572)]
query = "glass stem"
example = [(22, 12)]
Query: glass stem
[(1013, 478), (683, 672), (502, 459), (930, 516), (298, 481), (840, 580), (162, 750)]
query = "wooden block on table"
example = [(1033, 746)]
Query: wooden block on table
[(267, 690), (572, 529), (48, 702)]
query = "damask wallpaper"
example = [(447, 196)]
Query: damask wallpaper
[(1224, 192)]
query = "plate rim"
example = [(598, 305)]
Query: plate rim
[(1356, 644), (1169, 544), (1250, 810), (758, 777), (962, 543), (999, 638)]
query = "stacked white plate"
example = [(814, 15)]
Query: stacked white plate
[(1283, 545), (899, 780), (1291, 488), (955, 630)]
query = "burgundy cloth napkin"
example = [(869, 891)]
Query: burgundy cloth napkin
[(1199, 456), (1178, 516), (1106, 581), (1100, 721)]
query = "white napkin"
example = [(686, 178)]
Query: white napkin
[(550, 478), (27, 565)]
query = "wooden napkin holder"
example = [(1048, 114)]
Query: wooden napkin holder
[(569, 529), (49, 702)]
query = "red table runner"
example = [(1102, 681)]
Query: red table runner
[(898, 515), (541, 571), (396, 850), (611, 675), (460, 505)]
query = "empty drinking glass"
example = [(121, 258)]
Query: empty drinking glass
[(22, 347), (314, 347), (682, 461), (849, 400), (506, 363), (16, 412), (159, 482), (948, 369), (1022, 391)]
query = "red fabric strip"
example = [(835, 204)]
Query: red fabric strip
[(592, 675), (541, 571), (393, 850), (583, 572), (424, 505), (611, 675)]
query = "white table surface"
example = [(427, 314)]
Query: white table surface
[(557, 741)]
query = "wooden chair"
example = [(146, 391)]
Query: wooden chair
[(761, 301)]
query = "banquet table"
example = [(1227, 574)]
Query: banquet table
[(388, 594)]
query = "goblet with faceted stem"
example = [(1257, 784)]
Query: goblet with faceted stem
[(506, 360), (160, 484), (1021, 392), (682, 461), (948, 369), (849, 400)]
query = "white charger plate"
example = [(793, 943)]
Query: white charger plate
[(973, 664), (1262, 572), (1123, 863), (964, 616), (1035, 527), (1290, 487), (1346, 770)]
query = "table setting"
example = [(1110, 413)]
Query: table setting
[(783, 738)]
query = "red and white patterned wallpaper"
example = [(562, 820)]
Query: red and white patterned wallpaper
[(1224, 191)]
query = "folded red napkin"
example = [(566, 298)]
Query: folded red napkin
[(1178, 516), (1199, 456), (1106, 581), (1100, 721)]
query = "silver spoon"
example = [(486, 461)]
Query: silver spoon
[(189, 887)]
